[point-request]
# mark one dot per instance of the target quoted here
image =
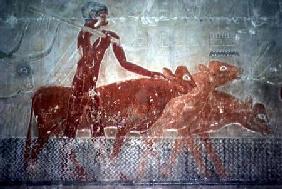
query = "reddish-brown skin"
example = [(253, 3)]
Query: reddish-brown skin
[(87, 73), (80, 103), (130, 105), (206, 110)]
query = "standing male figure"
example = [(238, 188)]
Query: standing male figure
[(84, 102)]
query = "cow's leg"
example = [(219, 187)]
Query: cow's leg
[(38, 146), (119, 140), (179, 143), (220, 169), (79, 170), (187, 140), (154, 136), (46, 130), (97, 129), (148, 145), (192, 147), (71, 126)]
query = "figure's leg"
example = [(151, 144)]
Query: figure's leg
[(75, 107), (96, 128), (70, 160), (220, 169), (72, 123), (75, 110)]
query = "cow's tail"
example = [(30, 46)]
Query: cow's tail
[(27, 149)]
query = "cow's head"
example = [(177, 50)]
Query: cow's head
[(181, 76), (259, 121), (220, 73)]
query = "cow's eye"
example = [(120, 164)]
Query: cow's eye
[(186, 77), (223, 68)]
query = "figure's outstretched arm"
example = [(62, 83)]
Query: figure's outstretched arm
[(120, 55)]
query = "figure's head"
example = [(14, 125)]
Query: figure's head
[(95, 10), (220, 72)]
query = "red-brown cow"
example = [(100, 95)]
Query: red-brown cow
[(206, 110), (220, 110), (129, 105)]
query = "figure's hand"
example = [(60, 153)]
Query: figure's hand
[(113, 36)]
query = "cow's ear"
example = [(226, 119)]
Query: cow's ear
[(203, 68), (168, 73), (181, 71)]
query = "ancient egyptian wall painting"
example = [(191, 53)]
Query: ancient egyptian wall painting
[(141, 91)]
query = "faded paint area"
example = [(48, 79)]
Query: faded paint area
[(154, 34)]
